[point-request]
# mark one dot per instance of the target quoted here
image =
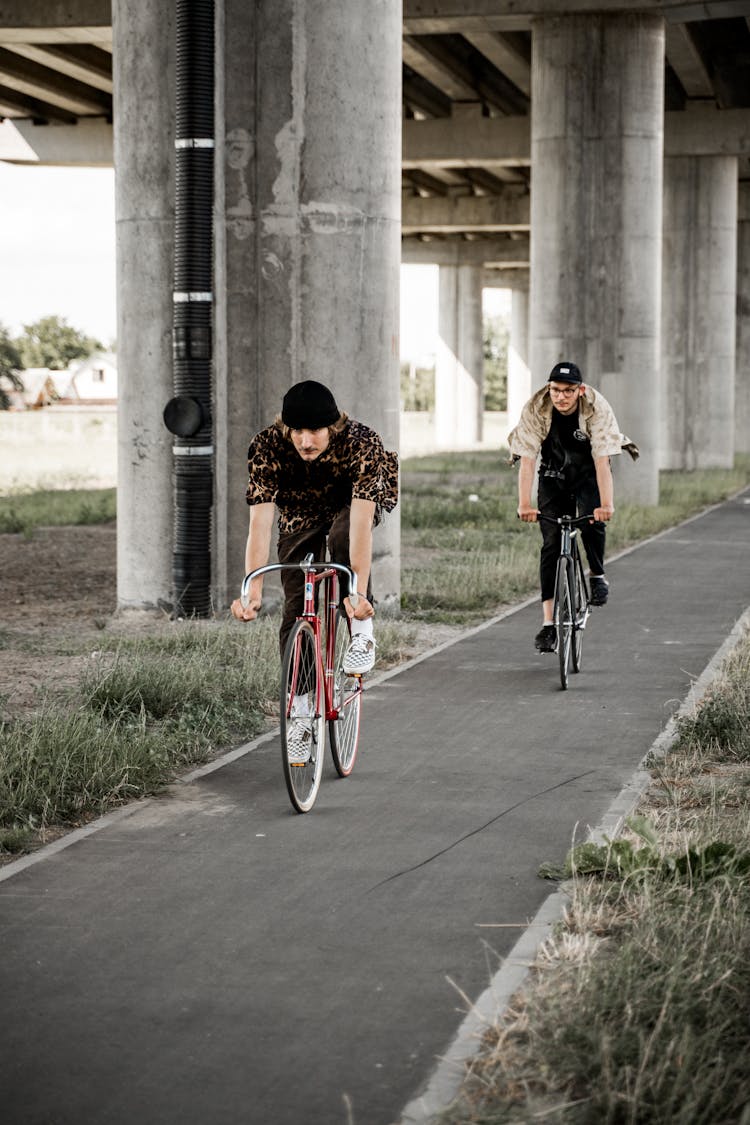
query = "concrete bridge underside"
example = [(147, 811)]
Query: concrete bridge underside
[(596, 164)]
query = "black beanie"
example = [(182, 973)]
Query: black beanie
[(309, 406), (565, 373)]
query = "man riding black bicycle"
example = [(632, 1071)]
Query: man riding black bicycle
[(573, 429), (328, 476)]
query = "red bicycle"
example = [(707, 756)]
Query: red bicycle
[(315, 690)]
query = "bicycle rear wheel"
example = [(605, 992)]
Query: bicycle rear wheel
[(343, 731), (302, 717), (563, 619)]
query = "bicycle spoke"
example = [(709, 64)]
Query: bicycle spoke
[(564, 621), (302, 717), (347, 700)]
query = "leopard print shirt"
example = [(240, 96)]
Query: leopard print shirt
[(309, 494)]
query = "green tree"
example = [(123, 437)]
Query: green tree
[(495, 342), (10, 362), (52, 342), (417, 387)]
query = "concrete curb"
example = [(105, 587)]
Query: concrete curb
[(444, 1086)]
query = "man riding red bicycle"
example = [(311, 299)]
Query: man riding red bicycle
[(329, 477)]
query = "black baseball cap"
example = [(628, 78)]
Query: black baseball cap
[(565, 372), (309, 406)]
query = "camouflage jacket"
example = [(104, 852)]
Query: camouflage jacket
[(310, 493), (595, 417)]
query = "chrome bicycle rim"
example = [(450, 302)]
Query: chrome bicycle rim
[(302, 717)]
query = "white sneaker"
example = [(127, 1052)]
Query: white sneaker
[(360, 656), (298, 741)]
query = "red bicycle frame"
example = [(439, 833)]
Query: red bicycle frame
[(313, 576), (309, 612)]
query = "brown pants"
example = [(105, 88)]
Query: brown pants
[(293, 548)]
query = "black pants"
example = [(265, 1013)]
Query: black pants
[(558, 499), (293, 548)]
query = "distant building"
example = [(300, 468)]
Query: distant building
[(93, 381), (87, 382), (41, 387)]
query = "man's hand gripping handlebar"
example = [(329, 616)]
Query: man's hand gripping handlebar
[(247, 605)]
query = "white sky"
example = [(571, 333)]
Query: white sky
[(57, 247), (57, 258)]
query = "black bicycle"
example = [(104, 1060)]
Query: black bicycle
[(572, 599)]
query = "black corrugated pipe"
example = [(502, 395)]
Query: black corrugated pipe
[(188, 414)]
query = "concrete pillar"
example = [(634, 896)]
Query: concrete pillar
[(144, 210), (742, 357), (596, 150), (519, 373), (307, 233), (699, 314), (459, 394)]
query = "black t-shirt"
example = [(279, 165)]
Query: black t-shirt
[(566, 450)]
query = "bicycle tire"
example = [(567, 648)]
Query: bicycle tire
[(563, 619), (581, 602), (343, 732), (302, 691)]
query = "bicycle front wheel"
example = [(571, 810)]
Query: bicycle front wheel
[(581, 599), (343, 731), (563, 619), (302, 717)]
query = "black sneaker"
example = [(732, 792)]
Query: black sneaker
[(599, 591), (546, 639)]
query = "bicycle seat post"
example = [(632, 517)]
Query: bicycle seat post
[(308, 610)]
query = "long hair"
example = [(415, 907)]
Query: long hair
[(335, 427)]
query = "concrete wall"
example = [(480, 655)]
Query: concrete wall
[(144, 207), (58, 447), (307, 233), (698, 324), (742, 356), (76, 446), (419, 434), (596, 217)]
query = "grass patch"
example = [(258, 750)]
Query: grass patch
[(722, 719), (142, 713), (145, 709), (637, 1008), (23, 512), (467, 555)]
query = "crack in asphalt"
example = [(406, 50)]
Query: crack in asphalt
[(481, 828)]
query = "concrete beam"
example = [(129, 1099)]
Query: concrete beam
[(51, 22), (516, 279), (685, 60), (743, 203), (464, 141), (441, 142), (87, 144), (707, 132), (457, 214), (48, 15), (505, 251), (431, 17)]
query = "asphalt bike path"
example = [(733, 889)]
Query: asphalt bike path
[(213, 958)]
